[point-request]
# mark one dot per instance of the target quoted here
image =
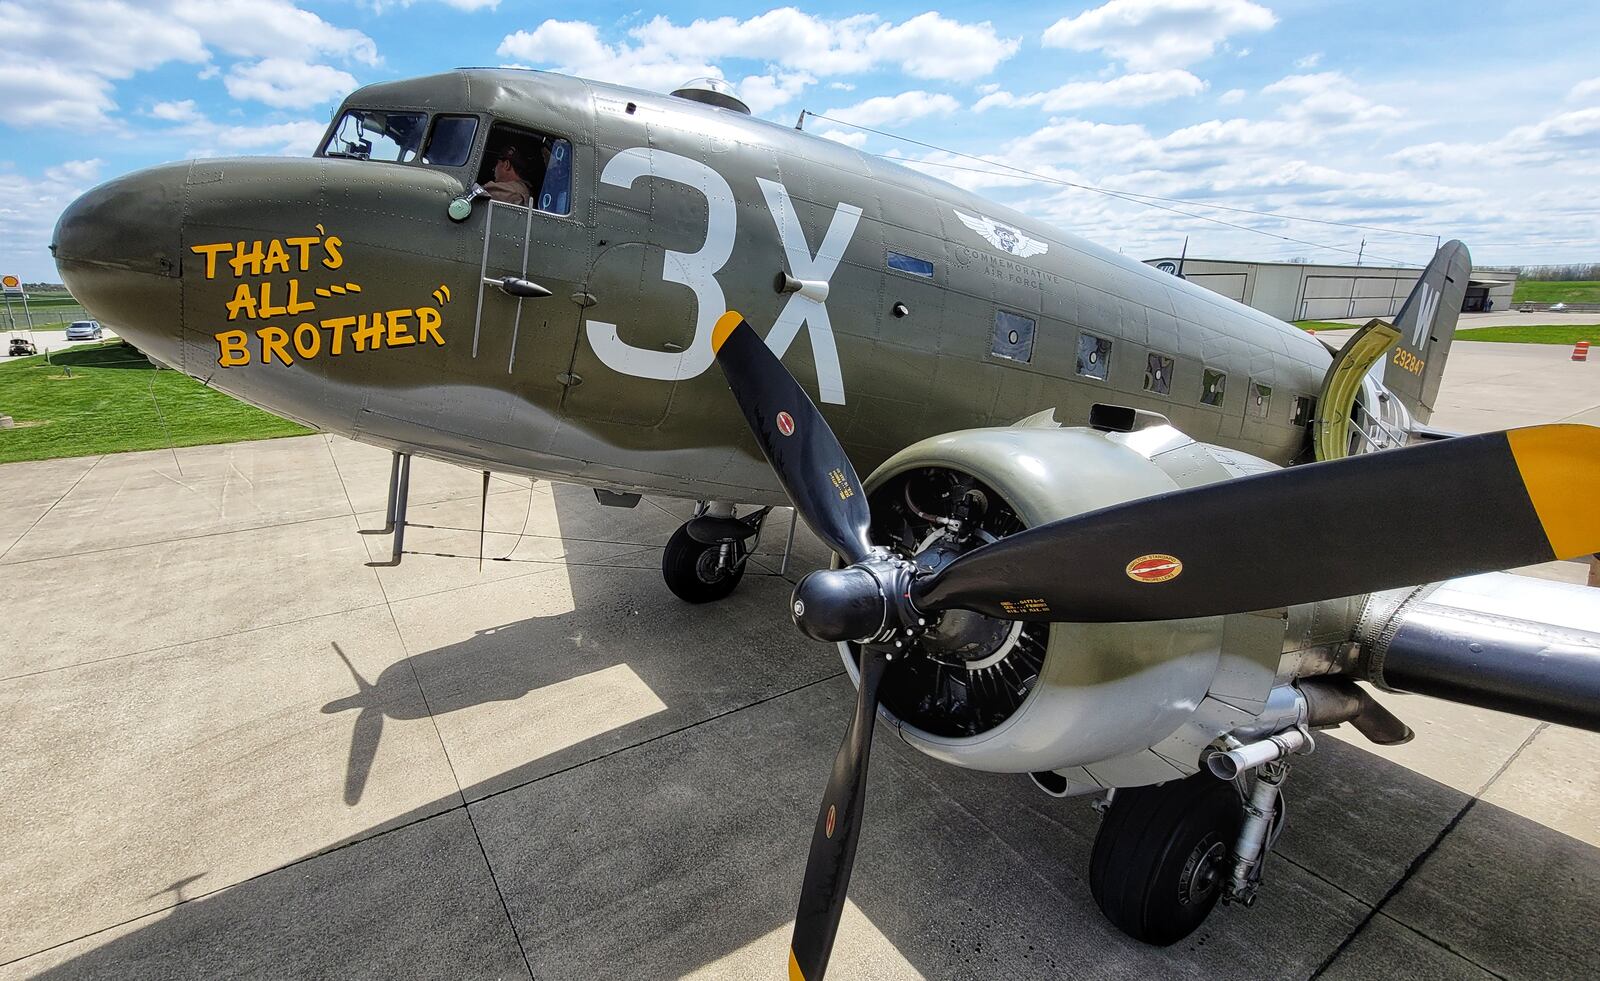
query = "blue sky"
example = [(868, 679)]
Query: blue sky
[(1479, 121)]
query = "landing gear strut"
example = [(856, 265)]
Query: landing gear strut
[(705, 558)]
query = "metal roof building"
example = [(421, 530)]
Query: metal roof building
[(1302, 291)]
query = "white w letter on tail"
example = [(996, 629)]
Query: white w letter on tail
[(1426, 311)]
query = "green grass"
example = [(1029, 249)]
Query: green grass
[(1323, 325), (109, 405), (1536, 291), (1534, 334)]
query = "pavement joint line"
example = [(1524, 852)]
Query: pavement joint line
[(1423, 856), (1442, 946), (220, 532), (416, 679), (196, 640), (1324, 880), (52, 507), (465, 804)]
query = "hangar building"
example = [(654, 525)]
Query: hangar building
[(1302, 291)]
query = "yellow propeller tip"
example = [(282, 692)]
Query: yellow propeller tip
[(795, 974), (725, 326)]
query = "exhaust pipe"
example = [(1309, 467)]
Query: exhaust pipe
[(1498, 641), (1226, 766)]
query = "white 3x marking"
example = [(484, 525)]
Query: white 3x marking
[(698, 271)]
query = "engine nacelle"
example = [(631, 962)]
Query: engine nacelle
[(1102, 704)]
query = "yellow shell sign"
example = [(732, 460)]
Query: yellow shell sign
[(10, 282)]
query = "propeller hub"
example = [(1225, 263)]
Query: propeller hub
[(867, 601)]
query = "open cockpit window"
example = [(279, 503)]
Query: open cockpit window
[(377, 134), (528, 169)]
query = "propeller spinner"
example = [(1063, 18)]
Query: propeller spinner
[(1310, 534)]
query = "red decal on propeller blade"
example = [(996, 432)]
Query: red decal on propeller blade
[(786, 424), (1156, 567)]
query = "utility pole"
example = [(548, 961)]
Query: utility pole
[(1361, 251)]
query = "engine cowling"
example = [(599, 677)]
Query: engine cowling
[(1111, 704)]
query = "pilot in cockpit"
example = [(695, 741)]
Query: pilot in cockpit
[(513, 177)]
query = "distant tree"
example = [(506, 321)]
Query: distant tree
[(1564, 273)]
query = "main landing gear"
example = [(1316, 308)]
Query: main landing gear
[(705, 558), (1166, 854)]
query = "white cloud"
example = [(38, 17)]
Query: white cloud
[(270, 29), (1309, 61), (574, 47), (763, 93), (183, 111), (1153, 34), (29, 212), (890, 109), (80, 173), (1329, 99), (59, 62), (1140, 89), (1231, 96), (40, 93), (288, 84), (855, 139), (1585, 89), (841, 86), (660, 54)]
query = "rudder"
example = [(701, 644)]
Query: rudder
[(1427, 325)]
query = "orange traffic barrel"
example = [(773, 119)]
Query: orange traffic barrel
[(1580, 351)]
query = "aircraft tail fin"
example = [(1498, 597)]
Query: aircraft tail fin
[(1427, 324)]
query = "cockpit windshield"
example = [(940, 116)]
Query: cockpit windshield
[(376, 134)]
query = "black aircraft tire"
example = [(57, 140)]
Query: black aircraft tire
[(681, 567), (1157, 869)]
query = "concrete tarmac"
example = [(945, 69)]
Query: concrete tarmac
[(234, 743)]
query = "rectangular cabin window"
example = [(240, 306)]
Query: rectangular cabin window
[(377, 134), (900, 262), (1013, 336), (1305, 407), (1094, 356), (528, 169), (1212, 388), (1158, 374), (1260, 399), (450, 143)]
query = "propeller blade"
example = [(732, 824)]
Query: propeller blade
[(1375, 521), (796, 439), (833, 843)]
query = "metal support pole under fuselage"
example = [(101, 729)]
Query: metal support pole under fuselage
[(394, 491), (402, 490), (788, 546)]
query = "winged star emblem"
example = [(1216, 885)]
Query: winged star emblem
[(1004, 237)]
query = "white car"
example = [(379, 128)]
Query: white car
[(84, 330)]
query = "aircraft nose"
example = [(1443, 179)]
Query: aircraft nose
[(118, 248)]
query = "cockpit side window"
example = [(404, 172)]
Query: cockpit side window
[(450, 143), (528, 169), (377, 134)]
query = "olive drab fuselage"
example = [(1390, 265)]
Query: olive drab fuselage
[(342, 293)]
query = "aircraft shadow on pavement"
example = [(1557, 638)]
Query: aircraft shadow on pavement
[(674, 849)]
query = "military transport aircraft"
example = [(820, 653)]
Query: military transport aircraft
[(1120, 534)]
